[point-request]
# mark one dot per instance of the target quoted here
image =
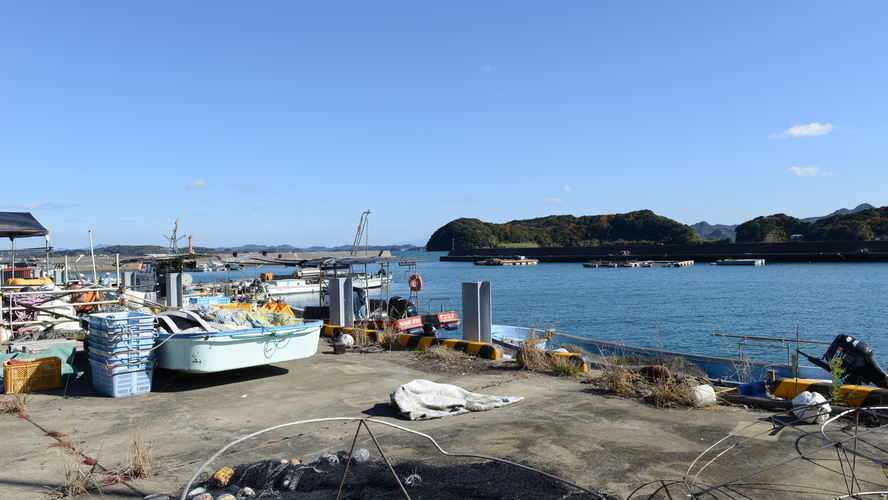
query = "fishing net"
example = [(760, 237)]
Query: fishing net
[(373, 480)]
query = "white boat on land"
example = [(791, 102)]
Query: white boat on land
[(187, 343)]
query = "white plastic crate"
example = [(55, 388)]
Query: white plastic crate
[(122, 379)]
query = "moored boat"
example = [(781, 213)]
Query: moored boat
[(715, 368)]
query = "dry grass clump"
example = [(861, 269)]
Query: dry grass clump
[(16, 402), (670, 392), (141, 455), (361, 336), (77, 482), (531, 357), (441, 353), (388, 337), (617, 377), (79, 471)]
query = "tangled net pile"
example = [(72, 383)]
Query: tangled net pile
[(373, 480)]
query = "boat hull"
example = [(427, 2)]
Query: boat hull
[(222, 351), (291, 287), (297, 285), (716, 368)]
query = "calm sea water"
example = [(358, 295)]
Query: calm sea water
[(673, 308)]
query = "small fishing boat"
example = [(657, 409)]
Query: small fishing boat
[(187, 342), (291, 285), (716, 368)]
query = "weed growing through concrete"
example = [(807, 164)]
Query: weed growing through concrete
[(141, 452), (837, 373), (79, 471), (16, 402)]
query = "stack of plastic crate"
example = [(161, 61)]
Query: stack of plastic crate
[(121, 352)]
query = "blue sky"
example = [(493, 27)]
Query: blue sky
[(280, 122)]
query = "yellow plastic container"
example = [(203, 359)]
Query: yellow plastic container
[(277, 308), (40, 374), (28, 281), (235, 305)]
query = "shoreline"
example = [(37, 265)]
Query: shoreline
[(815, 251)]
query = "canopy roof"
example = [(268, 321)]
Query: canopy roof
[(20, 225)]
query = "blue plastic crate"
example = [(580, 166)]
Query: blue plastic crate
[(121, 364), (120, 318), (210, 300), (125, 382), (131, 342), (121, 355), (121, 328)]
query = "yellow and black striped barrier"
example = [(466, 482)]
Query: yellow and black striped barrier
[(335, 331), (568, 357), (480, 349), (849, 395)]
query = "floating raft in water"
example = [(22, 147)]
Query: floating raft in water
[(507, 262), (740, 262), (645, 263)]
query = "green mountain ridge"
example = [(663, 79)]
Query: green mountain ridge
[(646, 227), (643, 226)]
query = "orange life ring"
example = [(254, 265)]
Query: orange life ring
[(415, 283)]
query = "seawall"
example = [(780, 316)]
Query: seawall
[(815, 251)]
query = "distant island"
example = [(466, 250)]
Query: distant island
[(644, 227), (140, 250)]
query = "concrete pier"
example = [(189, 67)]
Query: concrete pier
[(618, 445)]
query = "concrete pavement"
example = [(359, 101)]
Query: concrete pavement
[(620, 446)]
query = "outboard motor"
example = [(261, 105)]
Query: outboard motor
[(399, 307), (857, 360)]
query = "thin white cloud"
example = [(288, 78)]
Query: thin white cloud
[(266, 188), (461, 198), (568, 188), (553, 200), (70, 219), (246, 186), (808, 171), (487, 68), (805, 130), (198, 184), (38, 206)]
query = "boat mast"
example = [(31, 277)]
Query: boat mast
[(174, 242), (362, 226)]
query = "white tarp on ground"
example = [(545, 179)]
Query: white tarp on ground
[(423, 400)]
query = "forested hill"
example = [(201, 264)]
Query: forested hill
[(640, 227), (863, 225)]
